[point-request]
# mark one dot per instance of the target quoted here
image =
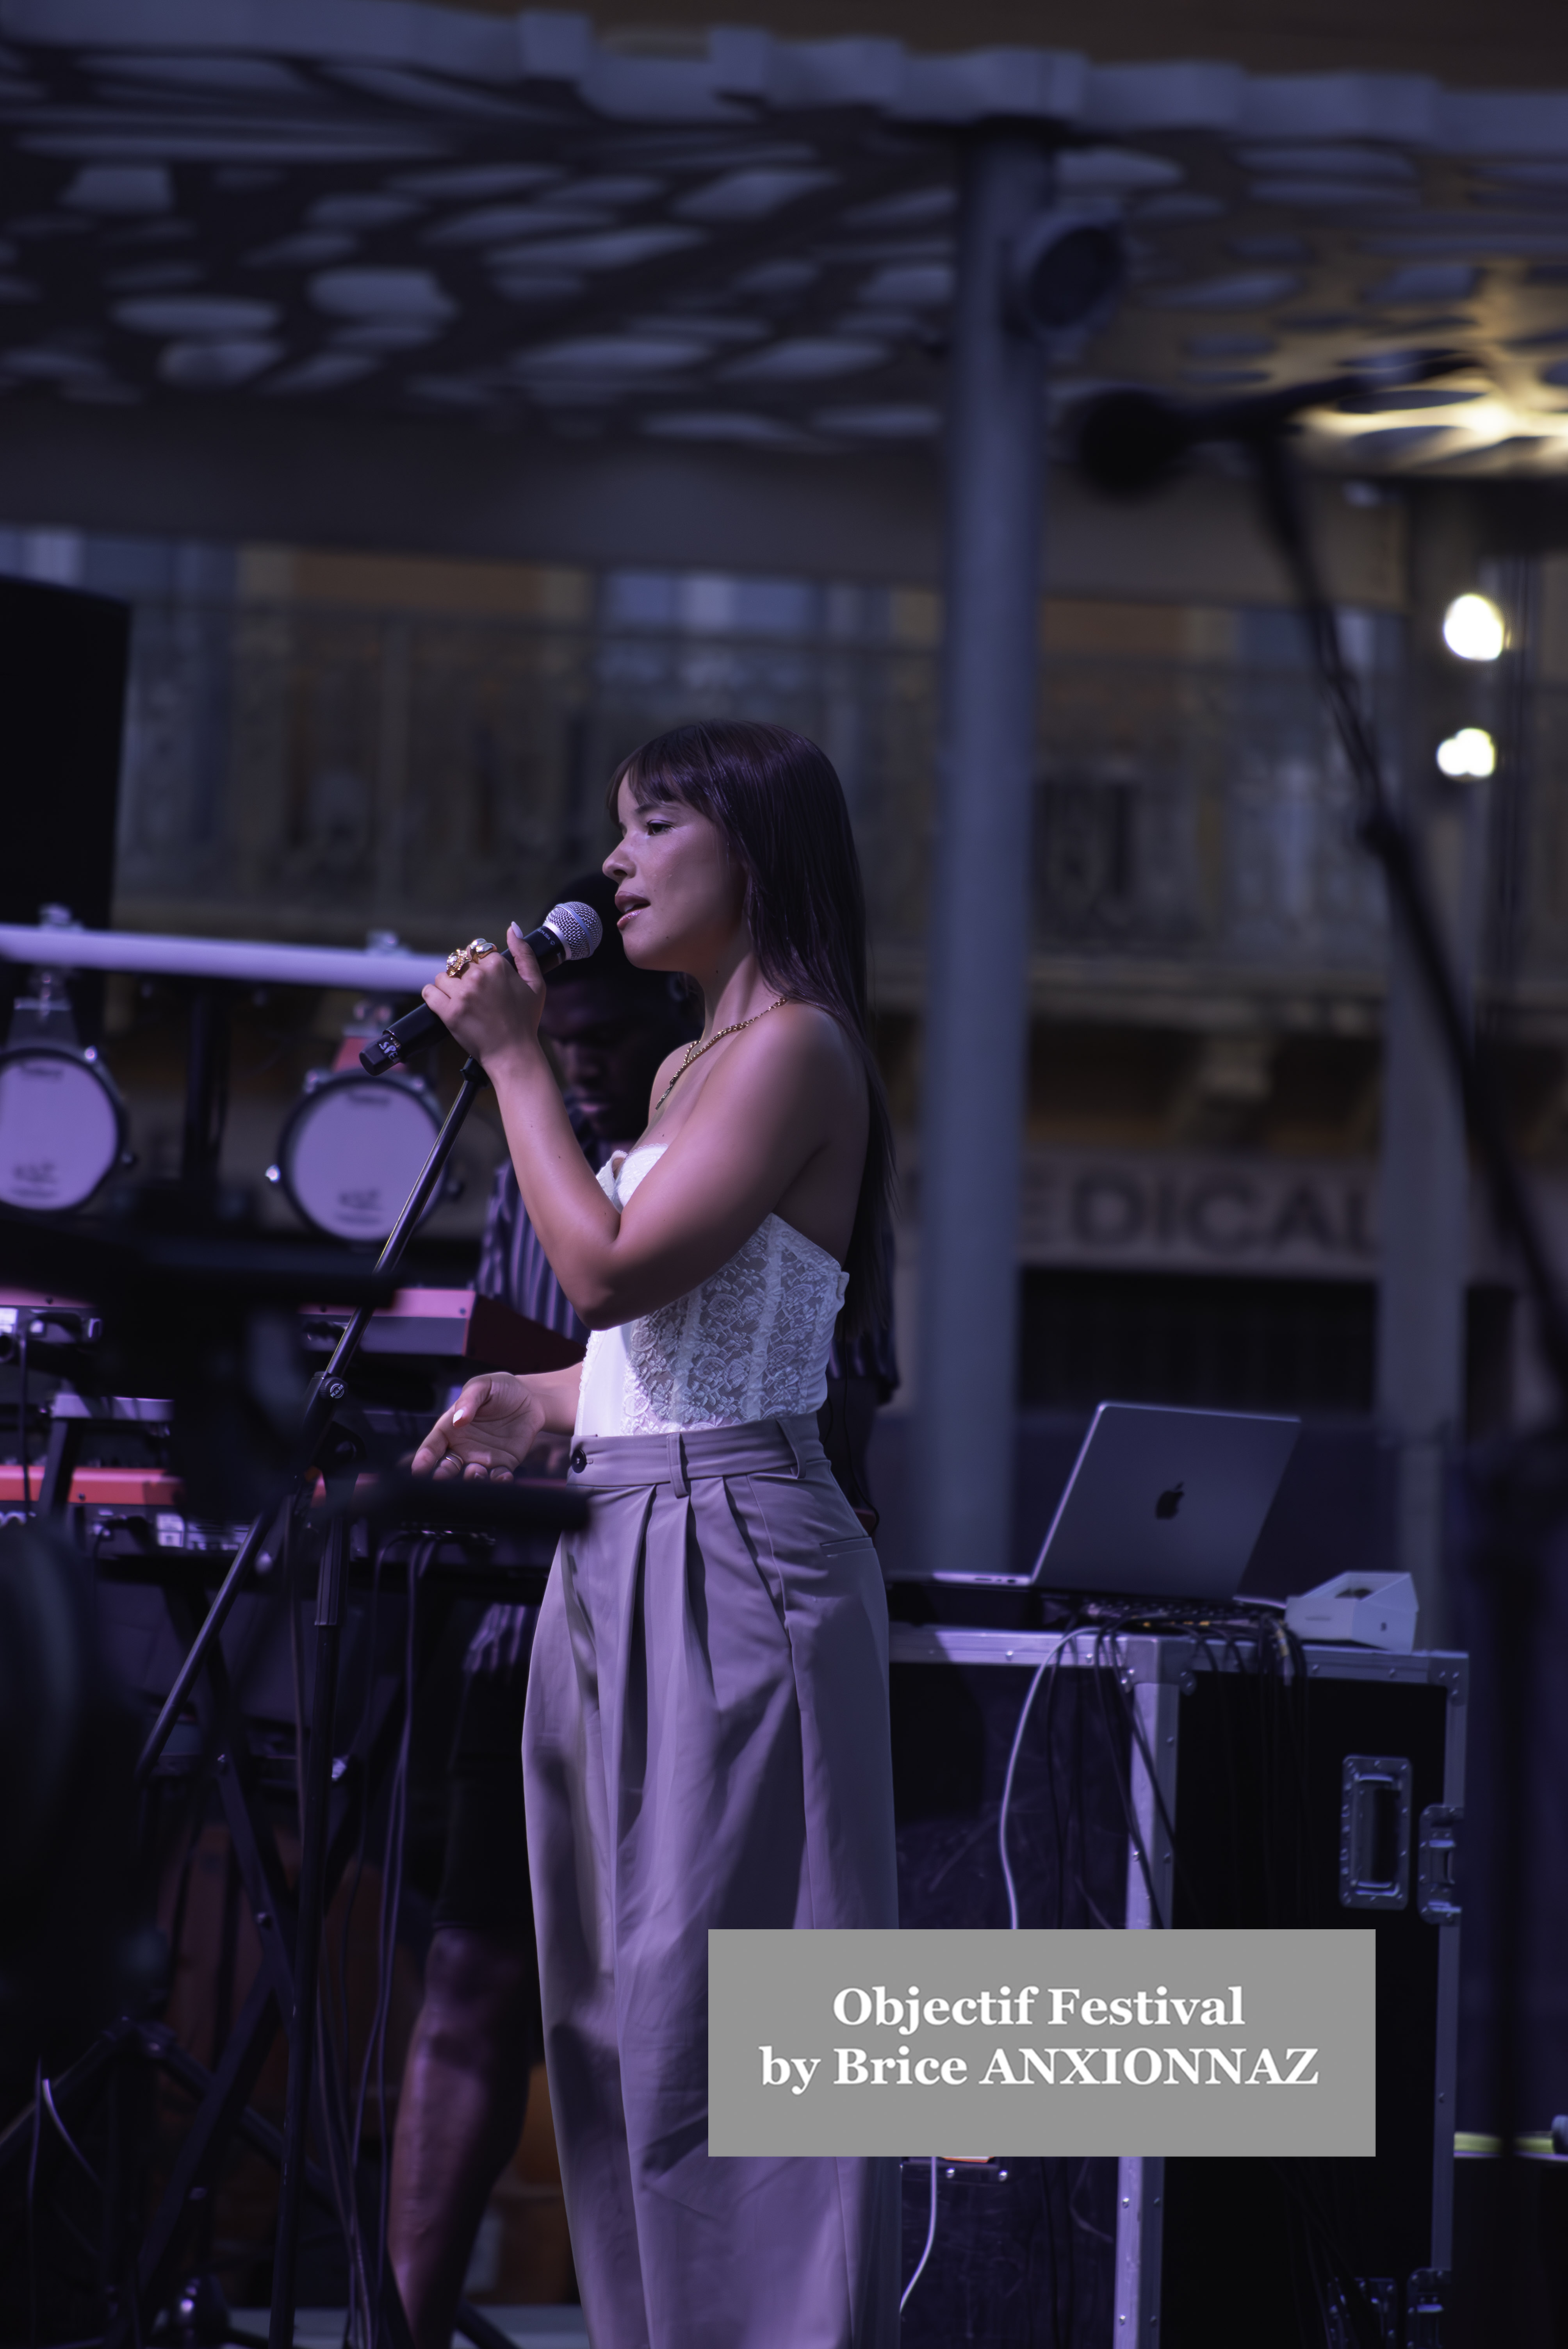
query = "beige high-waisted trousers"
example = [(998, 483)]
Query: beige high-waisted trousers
[(705, 1744)]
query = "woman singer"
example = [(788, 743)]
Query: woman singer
[(705, 1741)]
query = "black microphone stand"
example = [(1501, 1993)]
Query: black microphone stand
[(336, 1452), (1526, 1490), (326, 1393)]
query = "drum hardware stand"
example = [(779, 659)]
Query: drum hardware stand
[(290, 1956), (144, 2274), (147, 2273), (124, 2046), (310, 1919), (324, 1441), (326, 1393), (42, 1013), (222, 2094)]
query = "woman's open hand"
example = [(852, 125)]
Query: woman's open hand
[(495, 1003), (489, 1431)]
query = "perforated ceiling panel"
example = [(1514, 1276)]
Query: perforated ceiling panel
[(376, 204)]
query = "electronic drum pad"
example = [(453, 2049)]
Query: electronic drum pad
[(352, 1151), (62, 1127)]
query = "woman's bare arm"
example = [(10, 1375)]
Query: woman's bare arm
[(775, 1099)]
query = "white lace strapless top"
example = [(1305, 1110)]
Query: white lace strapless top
[(750, 1342)]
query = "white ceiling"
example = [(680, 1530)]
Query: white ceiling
[(375, 205)]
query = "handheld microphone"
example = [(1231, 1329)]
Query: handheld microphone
[(568, 933)]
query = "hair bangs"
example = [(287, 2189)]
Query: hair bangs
[(657, 782)]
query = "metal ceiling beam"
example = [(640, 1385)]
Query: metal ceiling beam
[(237, 473)]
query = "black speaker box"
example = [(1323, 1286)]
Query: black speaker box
[(1326, 1798), (64, 657)]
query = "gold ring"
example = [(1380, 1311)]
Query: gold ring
[(462, 958)]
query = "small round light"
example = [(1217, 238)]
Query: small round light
[(1469, 753), (1473, 628)]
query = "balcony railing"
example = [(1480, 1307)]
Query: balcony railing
[(303, 769)]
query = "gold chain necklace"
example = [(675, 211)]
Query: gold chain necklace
[(695, 1051)]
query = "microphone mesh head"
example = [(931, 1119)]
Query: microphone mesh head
[(577, 927)]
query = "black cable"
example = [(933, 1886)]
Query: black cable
[(1008, 1885), (32, 2204), (420, 1558), (1063, 1836), (22, 1419), (1066, 2183), (67, 2140), (1237, 1740), (296, 1663), (1054, 2258), (1086, 2224), (328, 2077), (361, 1849), (1283, 1659), (1124, 1776), (1314, 2244), (1162, 1816), (1059, 1834), (371, 2272), (1265, 1740), (930, 2239), (1384, 834), (362, 2270), (1081, 1867)]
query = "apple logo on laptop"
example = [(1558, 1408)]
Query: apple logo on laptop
[(1169, 1503)]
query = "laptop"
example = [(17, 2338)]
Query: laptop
[(1161, 1504)]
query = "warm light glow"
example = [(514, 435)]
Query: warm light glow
[(1472, 751), (1418, 437), (1473, 628)]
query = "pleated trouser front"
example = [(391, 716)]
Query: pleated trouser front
[(705, 1744)]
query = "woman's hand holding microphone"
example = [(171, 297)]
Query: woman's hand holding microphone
[(488, 1004)]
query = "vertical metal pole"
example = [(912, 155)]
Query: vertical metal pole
[(206, 1083), (1425, 1179), (976, 1020)]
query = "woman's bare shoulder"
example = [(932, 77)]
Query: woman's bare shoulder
[(805, 1035), (796, 1058)]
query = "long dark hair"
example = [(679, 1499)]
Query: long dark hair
[(779, 806)]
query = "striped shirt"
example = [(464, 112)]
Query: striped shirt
[(514, 1268)]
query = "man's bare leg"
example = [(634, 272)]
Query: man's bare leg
[(460, 2116)]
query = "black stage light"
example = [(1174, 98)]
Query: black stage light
[(1129, 441), (63, 660), (1061, 271)]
